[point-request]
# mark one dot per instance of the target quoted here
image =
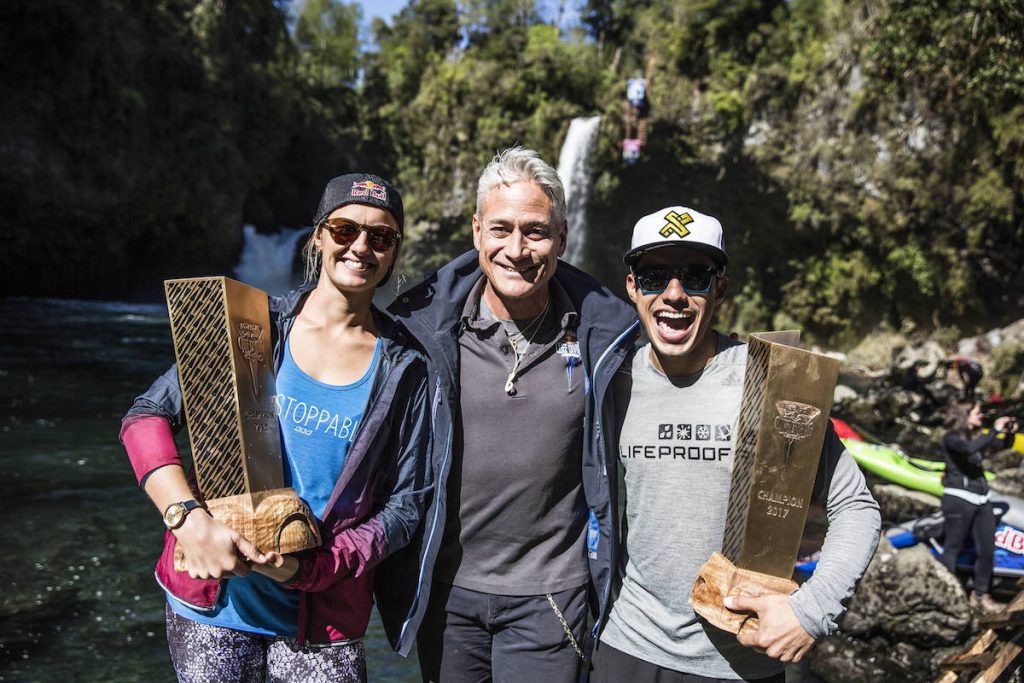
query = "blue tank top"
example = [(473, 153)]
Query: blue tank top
[(318, 424)]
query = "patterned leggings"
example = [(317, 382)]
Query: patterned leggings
[(210, 654)]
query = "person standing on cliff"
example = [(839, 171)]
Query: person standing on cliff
[(692, 376), (523, 348)]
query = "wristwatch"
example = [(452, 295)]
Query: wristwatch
[(174, 515)]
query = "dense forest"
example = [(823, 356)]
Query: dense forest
[(866, 156)]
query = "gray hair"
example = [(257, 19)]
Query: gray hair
[(516, 164)]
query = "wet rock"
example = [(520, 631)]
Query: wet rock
[(1007, 460), (923, 358), (1010, 482), (920, 440), (898, 504), (843, 394), (908, 596), (983, 344), (841, 659)]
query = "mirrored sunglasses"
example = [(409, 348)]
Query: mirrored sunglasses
[(345, 232), (696, 278)]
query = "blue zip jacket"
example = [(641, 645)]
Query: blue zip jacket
[(608, 329)]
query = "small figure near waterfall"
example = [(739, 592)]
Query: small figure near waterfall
[(243, 614), (683, 395), (635, 119), (637, 108), (524, 347)]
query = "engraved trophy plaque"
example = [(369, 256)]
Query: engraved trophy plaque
[(787, 395), (221, 334)]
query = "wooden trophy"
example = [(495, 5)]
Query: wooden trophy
[(221, 333), (787, 395)]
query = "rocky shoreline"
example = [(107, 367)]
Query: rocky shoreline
[(908, 611)]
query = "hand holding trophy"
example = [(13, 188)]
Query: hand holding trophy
[(221, 332), (787, 395)]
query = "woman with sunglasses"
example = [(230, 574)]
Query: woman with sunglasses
[(361, 464)]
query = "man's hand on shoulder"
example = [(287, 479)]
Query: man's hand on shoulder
[(778, 632)]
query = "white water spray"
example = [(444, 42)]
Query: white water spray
[(266, 260), (574, 169)]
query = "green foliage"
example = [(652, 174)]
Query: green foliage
[(866, 157), (145, 126), (327, 36), (448, 109)]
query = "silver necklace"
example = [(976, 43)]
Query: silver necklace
[(531, 328)]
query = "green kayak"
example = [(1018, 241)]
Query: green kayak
[(918, 474)]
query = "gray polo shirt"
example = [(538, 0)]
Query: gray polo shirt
[(517, 516)]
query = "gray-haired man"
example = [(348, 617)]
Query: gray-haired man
[(522, 533)]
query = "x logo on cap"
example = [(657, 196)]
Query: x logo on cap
[(676, 224)]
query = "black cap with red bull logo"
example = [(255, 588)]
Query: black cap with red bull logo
[(360, 188)]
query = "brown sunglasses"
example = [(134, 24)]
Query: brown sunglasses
[(344, 232)]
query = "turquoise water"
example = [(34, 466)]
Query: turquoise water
[(77, 597)]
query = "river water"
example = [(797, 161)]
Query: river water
[(78, 601)]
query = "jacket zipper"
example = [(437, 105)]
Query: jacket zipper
[(433, 524), (597, 409), (604, 467)]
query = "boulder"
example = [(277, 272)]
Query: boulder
[(1010, 475), (1007, 460), (1009, 482), (899, 504), (908, 596), (898, 402), (920, 441), (861, 411), (842, 659), (925, 358), (983, 344), (844, 394)]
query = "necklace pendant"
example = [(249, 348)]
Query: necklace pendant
[(510, 388)]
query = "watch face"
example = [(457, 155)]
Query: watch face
[(174, 515)]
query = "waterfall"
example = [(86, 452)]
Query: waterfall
[(267, 259), (574, 169)]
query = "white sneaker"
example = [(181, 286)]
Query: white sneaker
[(986, 604)]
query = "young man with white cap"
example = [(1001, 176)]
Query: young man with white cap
[(675, 447)]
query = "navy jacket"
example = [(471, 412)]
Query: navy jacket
[(964, 459), (608, 329)]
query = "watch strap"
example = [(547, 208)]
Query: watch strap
[(186, 506)]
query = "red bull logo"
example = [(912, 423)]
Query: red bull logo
[(368, 188), (1010, 539)]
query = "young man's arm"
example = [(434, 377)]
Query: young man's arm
[(850, 542)]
